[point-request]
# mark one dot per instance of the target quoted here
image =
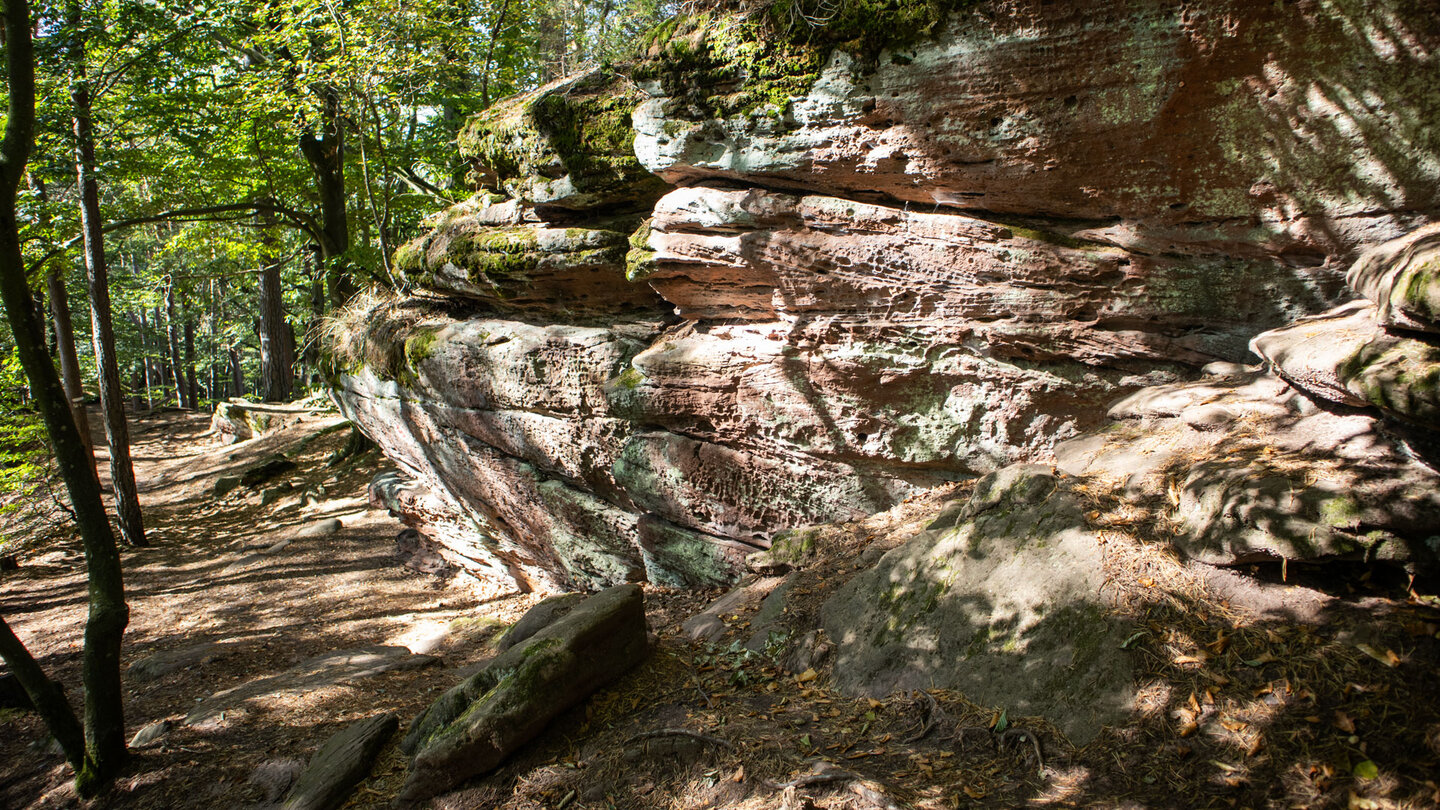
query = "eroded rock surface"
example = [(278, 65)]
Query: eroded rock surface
[(1250, 470), (1005, 606), (880, 271)]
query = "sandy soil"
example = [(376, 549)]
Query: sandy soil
[(205, 580)]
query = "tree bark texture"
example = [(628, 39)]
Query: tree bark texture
[(69, 361), (325, 153), (237, 374), (276, 344), (117, 433), (191, 386), (104, 725), (172, 340)]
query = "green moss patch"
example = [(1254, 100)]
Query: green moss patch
[(728, 66), (640, 259), (569, 143)]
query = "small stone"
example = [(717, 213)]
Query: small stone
[(323, 528), (151, 734), (225, 484)]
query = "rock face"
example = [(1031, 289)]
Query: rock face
[(880, 270), (1005, 606)]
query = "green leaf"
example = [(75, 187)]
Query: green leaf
[(1366, 770), (1003, 723)]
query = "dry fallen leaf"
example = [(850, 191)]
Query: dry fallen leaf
[(1343, 722)]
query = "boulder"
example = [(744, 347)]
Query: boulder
[(224, 485), (940, 249), (1346, 356), (151, 734), (340, 763), (537, 618), (565, 145), (1005, 606), (238, 420), (1402, 278), (473, 727), (1275, 478)]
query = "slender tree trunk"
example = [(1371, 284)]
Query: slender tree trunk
[(64, 332), (191, 387), (137, 386), (172, 341), (237, 374), (69, 362), (143, 322), (103, 750), (117, 433), (495, 30), (162, 360)]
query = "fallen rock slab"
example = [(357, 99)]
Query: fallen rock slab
[(344, 666), (1005, 607), (709, 624), (473, 727), (340, 764)]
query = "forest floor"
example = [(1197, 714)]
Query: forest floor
[(1325, 694)]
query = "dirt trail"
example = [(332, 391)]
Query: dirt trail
[(207, 580), (1251, 694)]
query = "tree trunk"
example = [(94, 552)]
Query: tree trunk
[(495, 29), (117, 433), (237, 374), (69, 362), (142, 326), (172, 341), (191, 386), (103, 751), (326, 155), (137, 386), (277, 349)]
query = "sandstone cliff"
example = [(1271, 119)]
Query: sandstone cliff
[(754, 281)]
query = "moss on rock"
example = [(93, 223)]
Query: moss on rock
[(640, 259), (567, 144)]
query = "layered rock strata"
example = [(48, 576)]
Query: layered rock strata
[(878, 272)]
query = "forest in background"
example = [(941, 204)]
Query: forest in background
[(254, 164)]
